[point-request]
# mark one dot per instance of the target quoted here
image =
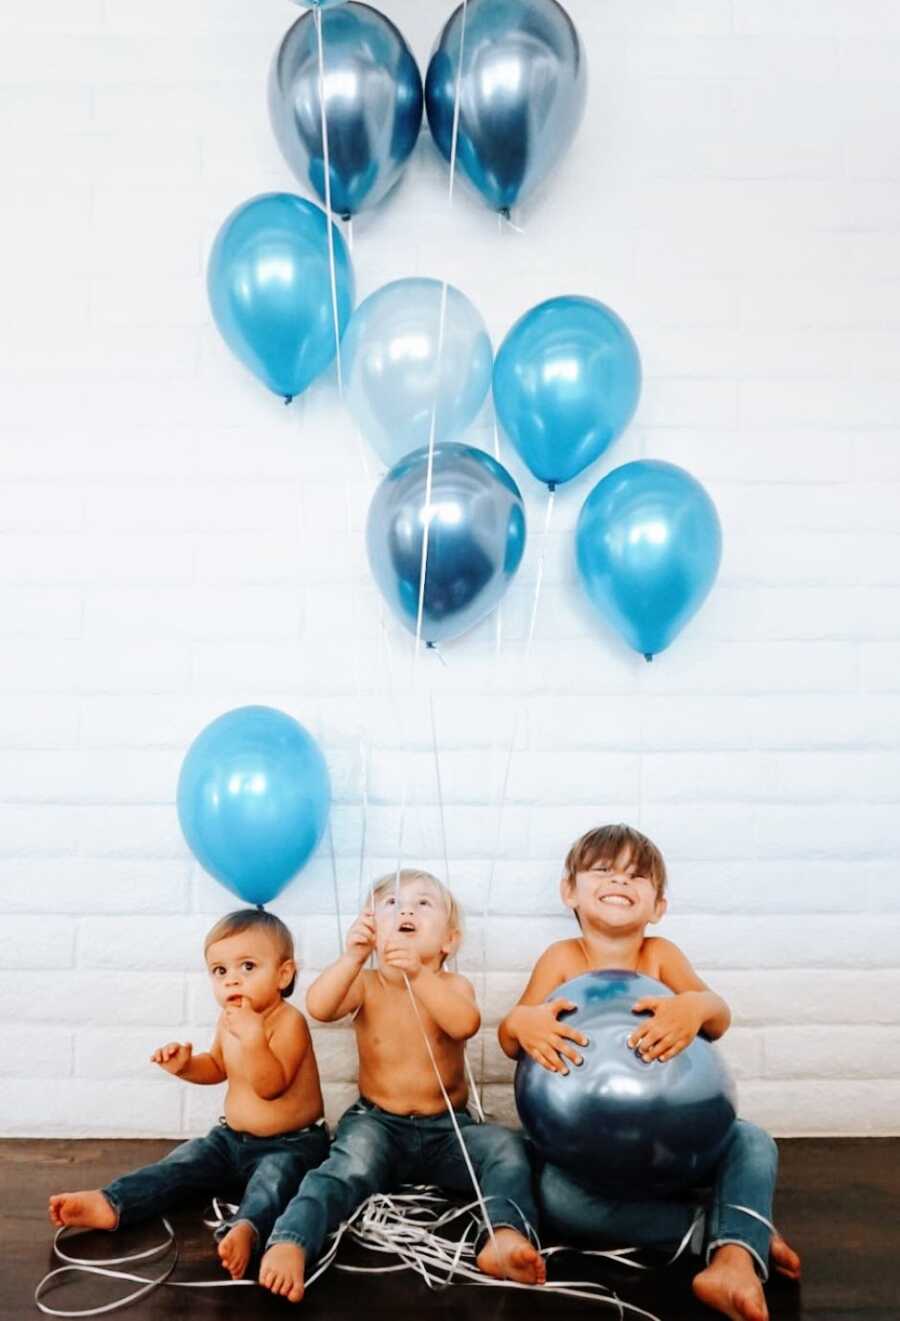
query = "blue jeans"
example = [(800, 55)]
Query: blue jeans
[(375, 1151), (744, 1184), (267, 1169)]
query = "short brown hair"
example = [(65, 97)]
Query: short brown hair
[(607, 843), (255, 919), (391, 881)]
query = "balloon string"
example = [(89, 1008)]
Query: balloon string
[(327, 162), (503, 788)]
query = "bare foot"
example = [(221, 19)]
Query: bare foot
[(282, 1270), (785, 1258), (87, 1210), (509, 1256), (730, 1285), (236, 1248)]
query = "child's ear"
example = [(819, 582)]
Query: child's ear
[(451, 944), (567, 892), (286, 973), (660, 911)]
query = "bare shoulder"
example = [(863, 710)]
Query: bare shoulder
[(668, 963), (289, 1022), (559, 963), (460, 984)]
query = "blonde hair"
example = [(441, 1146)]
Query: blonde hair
[(255, 919), (410, 875), (606, 844)]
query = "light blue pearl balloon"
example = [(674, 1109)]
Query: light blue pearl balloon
[(522, 94), (567, 381), (399, 370), (269, 283), (253, 799), (476, 538), (648, 549), (373, 100)]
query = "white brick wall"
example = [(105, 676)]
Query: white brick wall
[(173, 543)]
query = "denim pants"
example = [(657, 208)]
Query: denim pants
[(743, 1189), (375, 1151), (268, 1170)]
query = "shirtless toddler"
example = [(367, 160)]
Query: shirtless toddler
[(399, 1131), (272, 1131)]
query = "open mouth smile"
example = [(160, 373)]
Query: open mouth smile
[(621, 900)]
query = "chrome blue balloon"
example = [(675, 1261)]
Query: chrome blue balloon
[(476, 538), (522, 94), (401, 369), (648, 549), (617, 1122), (253, 800), (319, 4), (373, 104), (567, 381), (269, 284)]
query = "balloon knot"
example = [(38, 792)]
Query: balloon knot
[(551, 487), (648, 657), (260, 908), (288, 399), (506, 213), (431, 646)]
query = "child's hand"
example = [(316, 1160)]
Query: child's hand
[(173, 1057), (361, 937), (676, 1021), (544, 1038), (404, 959), (243, 1022)]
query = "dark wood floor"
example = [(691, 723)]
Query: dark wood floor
[(838, 1203)]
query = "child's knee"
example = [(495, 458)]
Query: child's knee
[(756, 1141)]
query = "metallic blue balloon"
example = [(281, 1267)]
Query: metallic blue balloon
[(522, 94), (373, 100), (476, 538), (616, 1121), (648, 548), (253, 800), (401, 369), (319, 4), (567, 381), (269, 283)]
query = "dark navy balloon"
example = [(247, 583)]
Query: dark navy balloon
[(617, 1122), (522, 94), (476, 538), (253, 800), (373, 104)]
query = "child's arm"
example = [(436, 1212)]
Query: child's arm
[(179, 1060), (270, 1065), (533, 1026), (340, 989), (449, 998), (678, 1019)]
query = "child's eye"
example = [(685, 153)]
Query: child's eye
[(248, 966), (426, 902), (218, 971)]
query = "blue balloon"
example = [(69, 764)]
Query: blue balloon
[(319, 4), (567, 381), (476, 538), (373, 99), (522, 94), (401, 369), (648, 548), (253, 799), (269, 283), (616, 1121)]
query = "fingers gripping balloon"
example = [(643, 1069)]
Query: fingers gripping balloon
[(635, 1128)]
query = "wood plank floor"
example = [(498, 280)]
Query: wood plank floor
[(838, 1203)]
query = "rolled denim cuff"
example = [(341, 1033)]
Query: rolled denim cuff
[(225, 1226), (116, 1205), (762, 1267), (281, 1236)]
